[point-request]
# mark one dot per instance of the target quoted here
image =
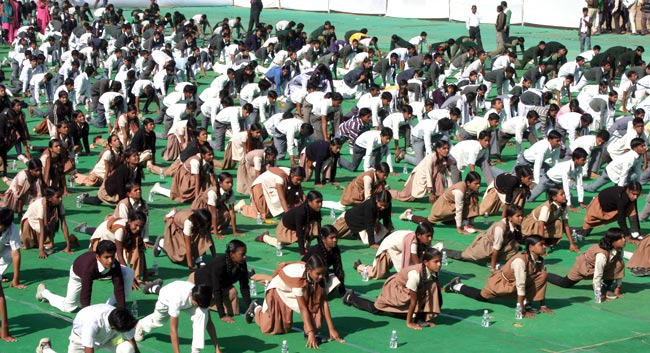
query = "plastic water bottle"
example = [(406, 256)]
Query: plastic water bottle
[(405, 170), (154, 268), (266, 286), (162, 174), (259, 218), (597, 296), (278, 249), (134, 309), (444, 260), (574, 236), (332, 213), (364, 275), (150, 198), (71, 181), (78, 201), (253, 288), (519, 314), (486, 319), (285, 347), (486, 217), (76, 159), (13, 165), (392, 344)]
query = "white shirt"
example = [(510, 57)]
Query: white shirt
[(587, 143), (138, 87), (425, 130), (516, 126), (619, 169), (82, 87), (374, 104), (473, 20), (230, 116), (467, 153), (249, 92), (571, 123), (10, 238), (402, 54), (92, 326), (394, 121), (272, 122), (263, 106), (538, 154), (176, 297), (370, 140), (562, 173), (323, 107), (291, 129)]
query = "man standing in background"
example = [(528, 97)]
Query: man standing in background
[(508, 13), (256, 10), (473, 25), (500, 26)]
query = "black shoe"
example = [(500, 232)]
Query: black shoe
[(156, 246), (251, 273), (250, 312), (639, 272), (356, 264), (346, 297), (449, 288), (84, 196)]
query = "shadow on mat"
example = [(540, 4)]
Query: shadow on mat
[(353, 324), (22, 325), (246, 344)]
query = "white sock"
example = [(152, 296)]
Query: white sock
[(161, 244), (83, 229), (409, 216), (457, 287), (155, 289)]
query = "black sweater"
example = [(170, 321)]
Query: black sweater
[(216, 275), (319, 152), (365, 215)]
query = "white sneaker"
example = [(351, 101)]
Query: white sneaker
[(39, 292), (155, 188), (42, 344), (139, 333), (239, 205), (404, 216)]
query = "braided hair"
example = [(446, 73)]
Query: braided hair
[(423, 228), (232, 246)]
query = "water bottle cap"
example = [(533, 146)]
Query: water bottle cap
[(485, 311), (284, 342), (394, 331)]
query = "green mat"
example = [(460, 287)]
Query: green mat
[(578, 325)]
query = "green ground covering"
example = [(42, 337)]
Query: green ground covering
[(579, 325)]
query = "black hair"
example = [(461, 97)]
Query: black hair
[(578, 153), (445, 124), (202, 294), (612, 235), (121, 319), (6, 217), (603, 134), (472, 176), (636, 142), (382, 167), (105, 247), (553, 135), (530, 241)]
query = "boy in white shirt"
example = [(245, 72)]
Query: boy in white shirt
[(624, 168), (400, 122), (593, 145), (367, 145), (470, 153), (518, 127), (561, 175), (537, 155)]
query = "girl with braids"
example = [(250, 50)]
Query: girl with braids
[(299, 224), (41, 222), (241, 143), (524, 275), (221, 274), (187, 237), (252, 165), (113, 189), (193, 177), (364, 219), (459, 203), (507, 189), (53, 166), (413, 291), (365, 185), (109, 159), (196, 139), (67, 146), (550, 219), (274, 192), (428, 177), (127, 236), (301, 287), (328, 249), (126, 125), (178, 138), (220, 200), (25, 187), (498, 243), (321, 158), (602, 262), (401, 248)]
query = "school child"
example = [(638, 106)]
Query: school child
[(550, 220), (41, 222), (321, 158), (614, 204), (538, 155), (365, 185), (113, 189), (400, 249), (240, 144), (602, 262), (193, 177), (53, 166), (253, 164), (431, 176), (328, 249), (174, 298), (413, 291), (9, 255), (274, 192), (87, 268), (639, 262), (300, 287), (366, 218), (221, 274), (497, 244), (186, 237), (109, 159), (524, 275), (25, 187), (103, 327), (220, 200), (459, 203), (623, 169), (560, 175), (178, 138), (298, 225), (507, 189)]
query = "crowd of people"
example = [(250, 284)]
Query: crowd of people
[(274, 107)]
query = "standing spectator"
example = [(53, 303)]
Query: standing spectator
[(473, 25), (42, 15), (645, 16), (508, 14), (584, 30), (500, 26), (256, 10)]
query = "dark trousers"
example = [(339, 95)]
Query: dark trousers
[(255, 17), (476, 33), (362, 304), (472, 292), (357, 156)]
